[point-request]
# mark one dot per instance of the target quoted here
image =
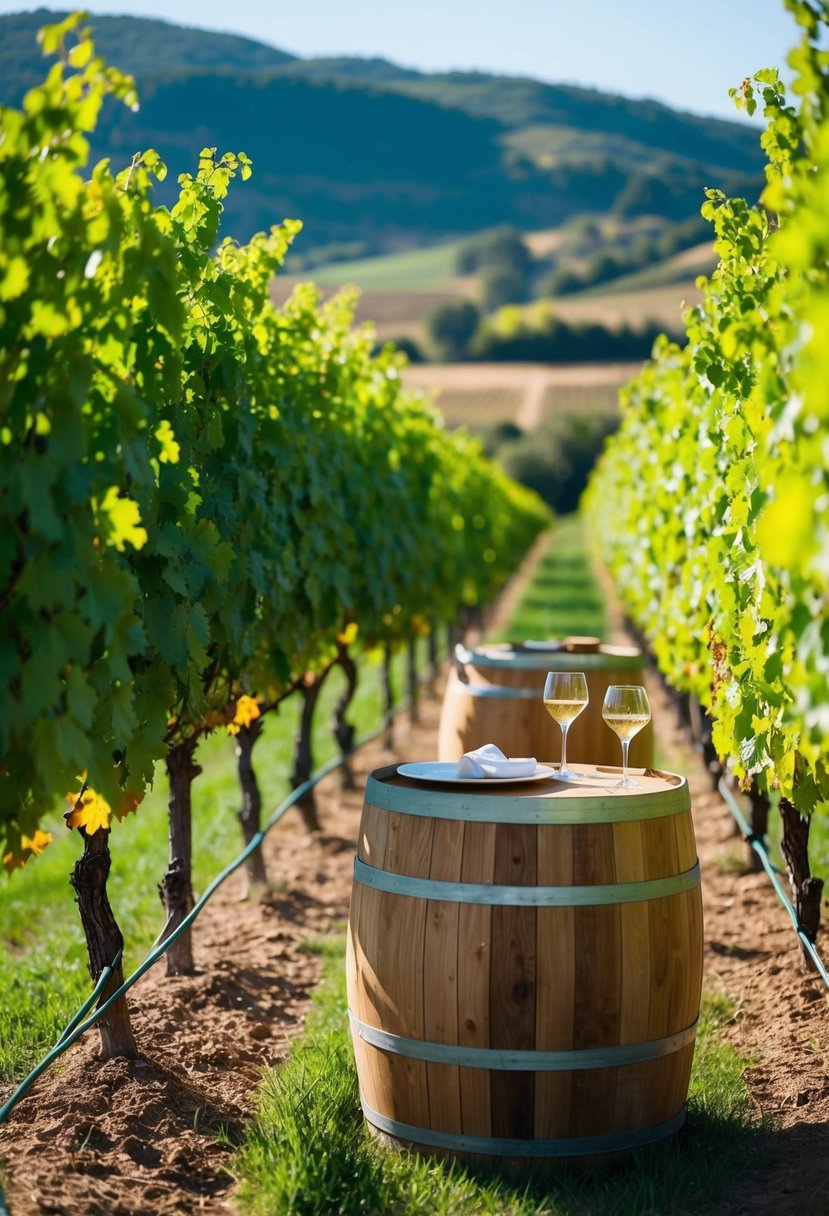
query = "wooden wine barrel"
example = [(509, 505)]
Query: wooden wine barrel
[(494, 695), (524, 965)]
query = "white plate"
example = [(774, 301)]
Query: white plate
[(447, 771)]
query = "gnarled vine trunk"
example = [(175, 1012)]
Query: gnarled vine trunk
[(433, 658), (303, 752), (806, 890), (759, 803), (388, 697), (250, 812), (344, 730), (176, 889), (411, 676), (103, 940)]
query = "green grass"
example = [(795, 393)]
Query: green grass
[(416, 270), (563, 597), (307, 1151), (43, 970)]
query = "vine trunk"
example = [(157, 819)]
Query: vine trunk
[(176, 888), (250, 812), (104, 940)]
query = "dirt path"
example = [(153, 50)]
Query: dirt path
[(529, 416), (139, 1138)]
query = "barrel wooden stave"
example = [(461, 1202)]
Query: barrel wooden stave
[(490, 705), (544, 978)]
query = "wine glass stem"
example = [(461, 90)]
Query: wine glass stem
[(563, 766), (625, 746)]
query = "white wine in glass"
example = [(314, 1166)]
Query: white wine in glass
[(626, 710), (565, 696)]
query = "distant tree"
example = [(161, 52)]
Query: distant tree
[(673, 195), (562, 281), (604, 266), (683, 235), (586, 229), (452, 326), (556, 459), (500, 433), (503, 248), (410, 348), (502, 285)]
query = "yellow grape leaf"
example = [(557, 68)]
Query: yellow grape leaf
[(10, 862), (14, 278), (348, 634), (37, 843), (127, 804), (91, 812), (170, 450), (247, 711), (785, 529), (746, 629), (124, 520)]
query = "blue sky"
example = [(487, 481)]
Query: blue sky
[(687, 55)]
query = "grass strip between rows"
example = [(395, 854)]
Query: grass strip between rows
[(307, 1151)]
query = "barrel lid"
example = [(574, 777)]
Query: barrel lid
[(597, 800), (582, 645), (557, 658)]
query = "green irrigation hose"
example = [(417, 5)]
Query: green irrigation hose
[(758, 843), (77, 1026)]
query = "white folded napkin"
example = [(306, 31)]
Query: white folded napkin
[(490, 761)]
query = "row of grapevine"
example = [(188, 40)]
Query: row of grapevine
[(200, 495), (711, 505)]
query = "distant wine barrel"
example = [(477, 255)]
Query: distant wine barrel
[(494, 695), (524, 966)]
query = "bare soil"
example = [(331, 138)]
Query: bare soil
[(482, 394), (115, 1138)]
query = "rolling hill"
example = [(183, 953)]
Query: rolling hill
[(366, 152)]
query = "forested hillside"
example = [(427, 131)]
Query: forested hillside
[(371, 152)]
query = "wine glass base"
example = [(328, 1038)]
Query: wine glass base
[(629, 785), (569, 775)]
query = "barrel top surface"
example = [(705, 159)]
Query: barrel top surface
[(557, 657), (596, 799)]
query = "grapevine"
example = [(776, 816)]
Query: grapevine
[(199, 493), (712, 502)]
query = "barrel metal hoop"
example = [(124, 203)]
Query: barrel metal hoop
[(557, 660), (494, 1146), (509, 1060), (522, 897), (477, 807), (500, 690)]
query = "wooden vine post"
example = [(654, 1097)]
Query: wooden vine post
[(104, 940), (176, 889)]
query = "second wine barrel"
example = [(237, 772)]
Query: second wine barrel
[(494, 695)]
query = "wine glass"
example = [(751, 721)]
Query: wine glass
[(626, 710), (565, 696)]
